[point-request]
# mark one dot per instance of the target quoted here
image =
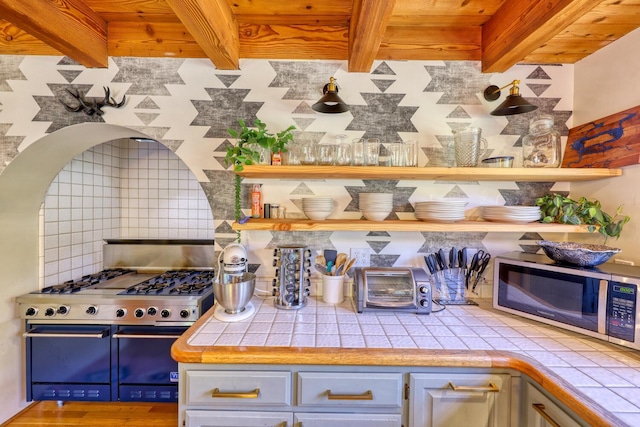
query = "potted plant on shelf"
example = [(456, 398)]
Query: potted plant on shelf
[(561, 209), (251, 143)]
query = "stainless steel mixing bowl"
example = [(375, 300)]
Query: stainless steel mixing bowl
[(234, 291)]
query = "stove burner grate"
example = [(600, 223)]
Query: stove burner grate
[(185, 282), (71, 286)]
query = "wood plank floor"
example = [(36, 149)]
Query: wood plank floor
[(104, 414)]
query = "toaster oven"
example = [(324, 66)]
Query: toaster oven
[(392, 289)]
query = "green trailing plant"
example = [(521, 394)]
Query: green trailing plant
[(246, 151), (560, 209)]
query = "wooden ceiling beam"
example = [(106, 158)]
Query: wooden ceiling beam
[(68, 26), (214, 26), (369, 20), (521, 26)]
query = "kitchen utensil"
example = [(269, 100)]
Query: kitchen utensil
[(453, 257), (339, 264), (482, 265), (329, 267), (233, 291), (348, 265), (320, 259), (330, 255)]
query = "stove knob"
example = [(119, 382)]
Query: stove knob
[(184, 313), (152, 311), (165, 313), (424, 302), (423, 290), (139, 312), (31, 311), (63, 309), (49, 312), (121, 312), (91, 310)]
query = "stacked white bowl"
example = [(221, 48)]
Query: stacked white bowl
[(376, 206), (317, 208), (440, 211)]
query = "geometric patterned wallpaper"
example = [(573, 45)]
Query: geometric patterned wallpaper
[(188, 106)]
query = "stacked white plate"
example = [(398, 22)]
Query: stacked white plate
[(375, 206), (440, 211), (517, 214), (317, 208)]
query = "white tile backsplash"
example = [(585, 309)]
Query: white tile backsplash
[(119, 189)]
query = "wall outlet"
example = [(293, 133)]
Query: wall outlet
[(362, 257)]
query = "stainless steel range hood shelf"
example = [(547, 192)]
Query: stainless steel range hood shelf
[(159, 241), (146, 255)]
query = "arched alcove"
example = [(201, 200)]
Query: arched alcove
[(23, 186)]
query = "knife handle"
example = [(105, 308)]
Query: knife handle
[(453, 257), (441, 257), (430, 260)]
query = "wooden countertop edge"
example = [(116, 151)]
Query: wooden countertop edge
[(582, 405)]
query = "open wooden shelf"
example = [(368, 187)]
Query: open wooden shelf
[(429, 173), (404, 225)]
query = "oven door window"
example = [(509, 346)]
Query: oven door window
[(390, 290), (565, 298)]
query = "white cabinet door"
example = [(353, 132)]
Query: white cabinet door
[(541, 411), (469, 400), (238, 419), (347, 420)]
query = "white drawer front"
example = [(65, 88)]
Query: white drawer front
[(350, 389), (347, 420), (237, 419), (238, 388)]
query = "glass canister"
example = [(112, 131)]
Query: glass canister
[(541, 147)]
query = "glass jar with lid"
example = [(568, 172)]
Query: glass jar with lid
[(541, 147)]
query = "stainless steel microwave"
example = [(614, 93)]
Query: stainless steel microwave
[(392, 289), (601, 302)]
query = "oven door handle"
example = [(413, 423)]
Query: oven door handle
[(119, 335), (32, 333)]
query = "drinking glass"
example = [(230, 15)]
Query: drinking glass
[(326, 153), (293, 155), (308, 153), (384, 154), (371, 152), (398, 153), (411, 150), (357, 152), (343, 154)]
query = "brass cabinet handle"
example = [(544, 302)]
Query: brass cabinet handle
[(367, 395), (491, 388), (539, 407), (236, 395)]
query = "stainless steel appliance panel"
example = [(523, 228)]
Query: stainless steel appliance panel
[(601, 302), (392, 288)]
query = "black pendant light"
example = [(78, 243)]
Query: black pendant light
[(330, 102), (513, 104)]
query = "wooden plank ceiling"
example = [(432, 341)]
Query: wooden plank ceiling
[(500, 33)]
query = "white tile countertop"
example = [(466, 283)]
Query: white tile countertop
[(606, 373)]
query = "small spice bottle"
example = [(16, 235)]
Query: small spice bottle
[(541, 148)]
